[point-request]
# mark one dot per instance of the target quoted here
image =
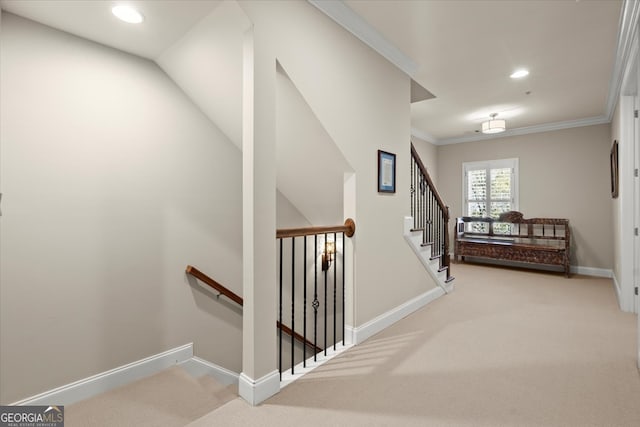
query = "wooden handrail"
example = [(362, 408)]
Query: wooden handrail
[(349, 229), (287, 330), (423, 169), (446, 259), (238, 299), (215, 285)]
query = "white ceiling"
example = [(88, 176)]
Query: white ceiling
[(212, 47), (464, 51), (166, 21), (461, 51)]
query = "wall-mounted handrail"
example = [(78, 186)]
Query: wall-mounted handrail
[(215, 285), (191, 270), (287, 330), (349, 229)]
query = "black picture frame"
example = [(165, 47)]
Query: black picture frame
[(613, 159), (386, 172)]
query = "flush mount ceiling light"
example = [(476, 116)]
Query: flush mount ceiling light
[(518, 74), (127, 14), (494, 125)]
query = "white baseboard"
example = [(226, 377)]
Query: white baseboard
[(301, 370), (372, 327), (257, 391), (626, 304), (616, 286), (197, 367), (105, 381), (592, 271), (349, 335)]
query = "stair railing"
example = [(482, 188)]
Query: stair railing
[(430, 214), (313, 284), (223, 290)]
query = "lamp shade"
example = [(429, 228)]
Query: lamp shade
[(494, 126), (330, 247)]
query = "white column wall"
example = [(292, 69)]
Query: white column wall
[(363, 102), (259, 378)]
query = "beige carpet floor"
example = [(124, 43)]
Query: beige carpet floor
[(169, 398), (507, 348)]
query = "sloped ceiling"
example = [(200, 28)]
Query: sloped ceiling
[(207, 65), (311, 168), (199, 44), (165, 21)]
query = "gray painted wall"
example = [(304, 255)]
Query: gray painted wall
[(563, 174), (113, 182)]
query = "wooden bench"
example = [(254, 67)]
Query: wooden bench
[(544, 241)]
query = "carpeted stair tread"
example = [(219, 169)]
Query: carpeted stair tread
[(169, 398)]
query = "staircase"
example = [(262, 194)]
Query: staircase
[(169, 398), (423, 252), (427, 230)]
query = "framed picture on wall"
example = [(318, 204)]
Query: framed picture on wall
[(386, 172), (613, 158)]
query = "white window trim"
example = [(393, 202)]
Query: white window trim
[(492, 164)]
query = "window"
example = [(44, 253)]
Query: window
[(491, 188)]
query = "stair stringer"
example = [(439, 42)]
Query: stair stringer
[(414, 239)]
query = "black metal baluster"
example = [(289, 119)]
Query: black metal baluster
[(437, 217), (426, 227), (343, 297), (425, 206), (416, 213), (443, 227), (315, 303), (427, 215), (436, 232), (412, 190), (419, 200), (423, 209), (280, 316), (304, 307), (325, 298), (293, 298), (441, 232), (335, 283)]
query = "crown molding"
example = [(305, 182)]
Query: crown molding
[(545, 127), (629, 84), (423, 136), (352, 22), (627, 28), (628, 24)]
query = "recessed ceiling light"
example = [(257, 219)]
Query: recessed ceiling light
[(518, 74), (127, 14)]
